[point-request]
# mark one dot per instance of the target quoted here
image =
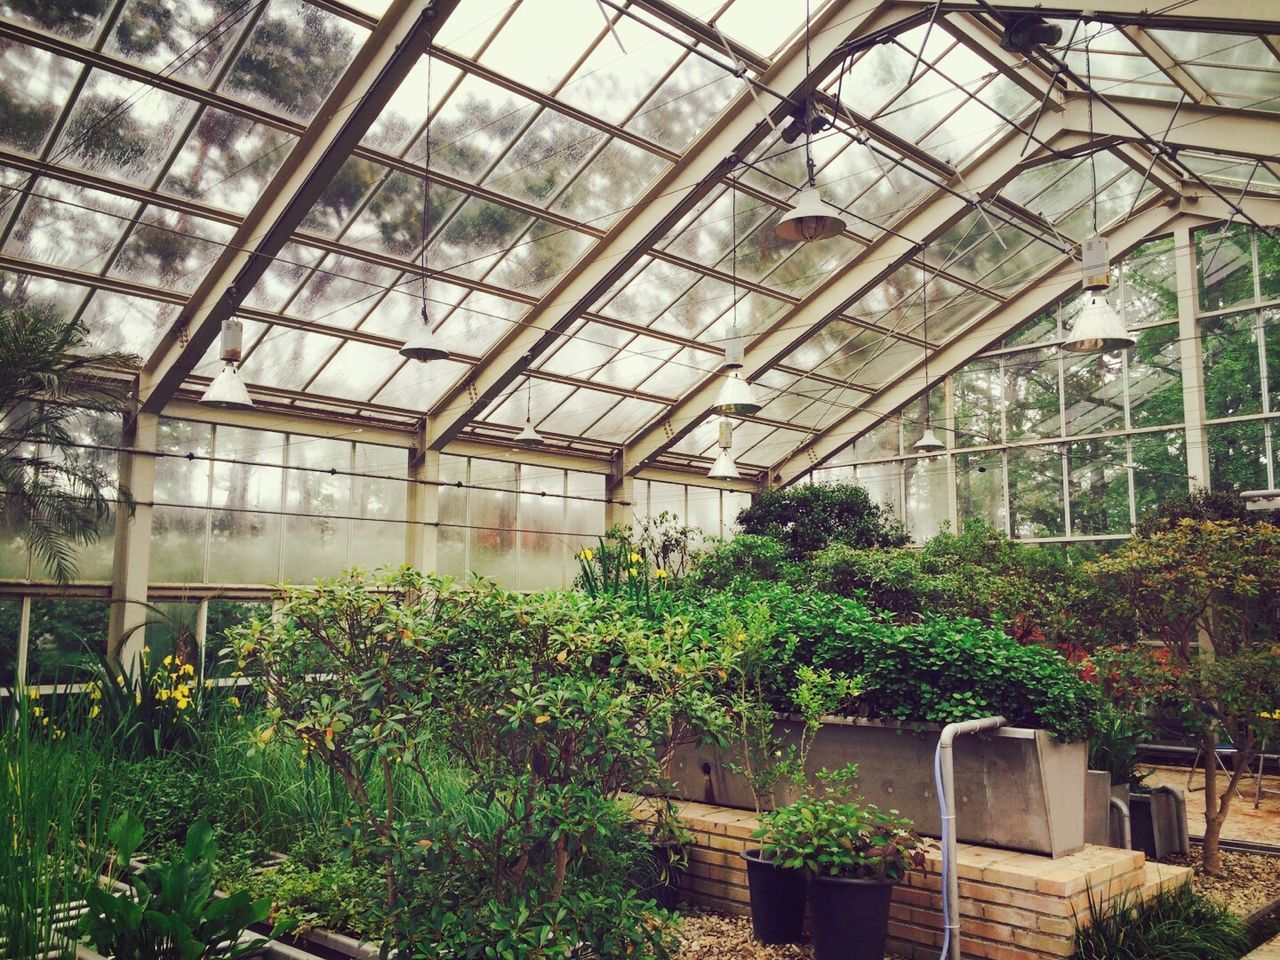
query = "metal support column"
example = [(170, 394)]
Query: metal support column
[(132, 567), (1192, 360), (422, 537)]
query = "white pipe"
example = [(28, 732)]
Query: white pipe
[(944, 775), (1126, 832)]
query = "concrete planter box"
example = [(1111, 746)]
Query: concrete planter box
[(1100, 822), (1019, 789)]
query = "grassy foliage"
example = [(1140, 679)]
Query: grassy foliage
[(1177, 924)]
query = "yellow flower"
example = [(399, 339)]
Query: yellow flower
[(587, 554), (37, 711), (45, 721), (162, 694), (33, 693), (635, 572), (660, 574), (183, 702), (168, 660), (94, 711), (634, 557), (146, 649), (234, 701), (561, 656), (188, 669), (182, 690), (543, 718)]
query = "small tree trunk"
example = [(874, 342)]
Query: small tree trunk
[(1217, 805)]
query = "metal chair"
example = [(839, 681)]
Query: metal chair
[(1259, 791)]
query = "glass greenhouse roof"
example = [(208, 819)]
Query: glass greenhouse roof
[(606, 179)]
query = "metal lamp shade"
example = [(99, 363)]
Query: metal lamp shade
[(529, 436), (1098, 328), (736, 397), (810, 220), (227, 390), (423, 345), (724, 468), (929, 442)]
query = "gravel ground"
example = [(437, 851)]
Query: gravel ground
[(1248, 881), (715, 936)]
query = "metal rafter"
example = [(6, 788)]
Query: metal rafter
[(738, 130), (1250, 134), (351, 108), (994, 168), (1152, 219), (1214, 16)]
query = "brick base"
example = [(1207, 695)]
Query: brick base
[(1013, 906)]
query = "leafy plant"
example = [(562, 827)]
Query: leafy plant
[(1114, 745), (53, 815), (1177, 924), (807, 517), (1219, 579), (552, 704), (58, 497), (747, 557), (833, 838), (170, 912), (330, 894)]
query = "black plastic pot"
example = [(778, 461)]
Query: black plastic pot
[(777, 900), (850, 917)]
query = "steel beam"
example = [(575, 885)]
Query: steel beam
[(1154, 218), (1241, 133), (375, 73), (1213, 16), (993, 170), (738, 130)]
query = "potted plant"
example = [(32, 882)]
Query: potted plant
[(853, 854)]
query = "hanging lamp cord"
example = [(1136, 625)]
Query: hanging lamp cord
[(808, 72), (1093, 153), (426, 191), (733, 256)]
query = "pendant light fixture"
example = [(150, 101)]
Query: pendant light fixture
[(928, 442), (811, 219), (529, 436), (228, 391), (1098, 328), (736, 396), (423, 344), (724, 468)]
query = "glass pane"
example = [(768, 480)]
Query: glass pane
[(65, 638), (1237, 456), (315, 546), (224, 614), (492, 519), (1099, 487), (1232, 378), (1035, 493), (1224, 267), (10, 623), (244, 547), (704, 510), (179, 479), (1271, 326), (377, 543), (977, 396), (733, 504), (451, 545), (178, 544), (980, 488), (883, 483), (666, 498), (928, 507), (1161, 469), (585, 517), (1093, 385), (1031, 394), (1155, 377), (1148, 284), (542, 542)]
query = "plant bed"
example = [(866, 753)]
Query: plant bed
[(708, 935), (1019, 789), (1248, 883)]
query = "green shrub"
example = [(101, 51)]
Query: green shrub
[(831, 838), (170, 912), (1177, 924), (939, 670), (746, 558), (554, 704), (331, 894), (808, 517)]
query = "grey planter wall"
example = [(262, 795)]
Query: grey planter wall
[(1018, 789)]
